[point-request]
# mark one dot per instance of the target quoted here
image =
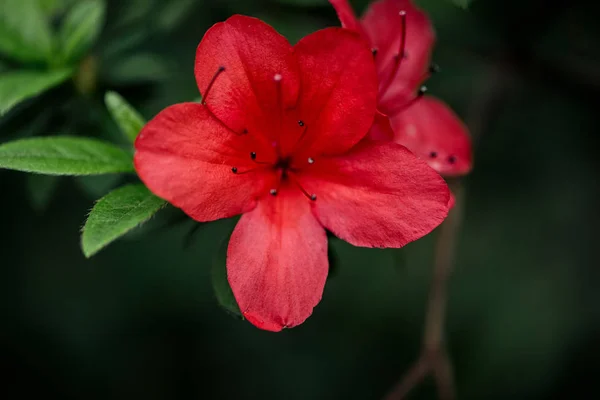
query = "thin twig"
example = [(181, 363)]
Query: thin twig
[(434, 359)]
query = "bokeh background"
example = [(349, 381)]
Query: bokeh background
[(140, 319)]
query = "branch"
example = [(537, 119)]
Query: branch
[(434, 358)]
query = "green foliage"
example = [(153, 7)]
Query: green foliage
[(25, 33), (41, 188), (221, 284), (462, 3), (80, 29), (96, 186), (137, 68), (117, 213), (64, 155), (129, 120), (20, 85), (304, 3)]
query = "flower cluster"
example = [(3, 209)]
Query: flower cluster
[(284, 138)]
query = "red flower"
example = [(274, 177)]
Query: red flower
[(277, 140), (425, 125)]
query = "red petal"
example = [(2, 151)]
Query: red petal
[(431, 130), (378, 195), (381, 128), (451, 201), (245, 95), (339, 90), (185, 156), (277, 261), (346, 15), (383, 26)]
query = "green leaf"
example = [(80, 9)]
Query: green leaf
[(462, 3), (129, 120), (221, 284), (25, 34), (20, 85), (41, 188), (80, 29), (117, 213), (64, 155)]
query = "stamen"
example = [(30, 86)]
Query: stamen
[(452, 159), (311, 160), (237, 172), (419, 95), (211, 83), (433, 154), (273, 192), (253, 157), (374, 51), (312, 196), (434, 68), (400, 56), (278, 78), (303, 125)]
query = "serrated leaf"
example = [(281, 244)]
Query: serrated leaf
[(80, 29), (116, 214), (25, 33), (17, 86), (220, 283), (64, 155), (129, 120), (41, 188)]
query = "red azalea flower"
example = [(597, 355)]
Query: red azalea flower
[(277, 140), (425, 125)]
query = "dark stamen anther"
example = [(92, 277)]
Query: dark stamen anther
[(433, 154), (273, 192), (374, 51), (312, 197), (400, 55), (419, 95), (237, 172), (301, 123), (211, 83), (253, 157), (452, 159)]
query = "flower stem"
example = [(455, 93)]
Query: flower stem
[(434, 359)]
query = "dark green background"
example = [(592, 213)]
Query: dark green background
[(140, 320)]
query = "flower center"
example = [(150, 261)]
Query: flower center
[(285, 167)]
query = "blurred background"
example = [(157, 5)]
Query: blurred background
[(140, 319)]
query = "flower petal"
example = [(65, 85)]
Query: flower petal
[(245, 96), (383, 26), (346, 15), (339, 90), (378, 195), (431, 130), (184, 155), (381, 128), (277, 261)]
